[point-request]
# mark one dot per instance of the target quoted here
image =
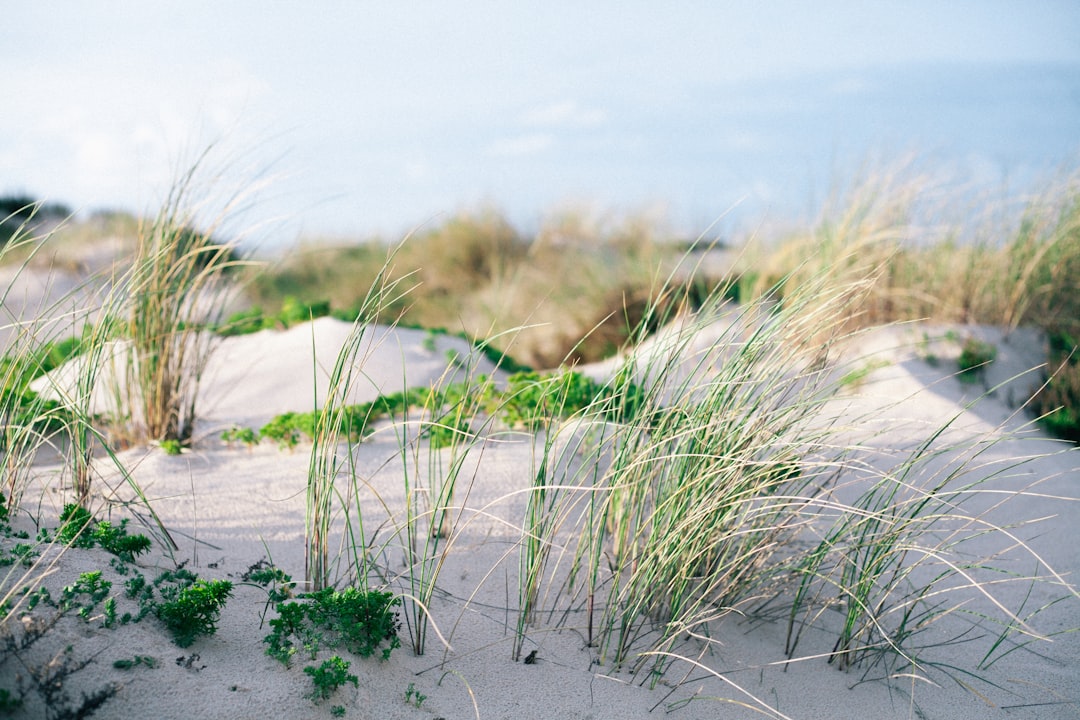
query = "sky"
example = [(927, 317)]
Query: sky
[(354, 118)]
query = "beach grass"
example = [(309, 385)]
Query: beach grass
[(176, 289), (705, 476)]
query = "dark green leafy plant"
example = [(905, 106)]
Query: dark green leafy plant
[(244, 435), (9, 702), (975, 355), (94, 588), (129, 663), (116, 540), (359, 621), (74, 520), (328, 677), (532, 399), (446, 429), (413, 696), (78, 529), (276, 582), (1057, 402), (190, 606), (245, 322), (21, 553), (288, 428)]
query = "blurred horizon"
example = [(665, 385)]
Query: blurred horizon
[(367, 120)]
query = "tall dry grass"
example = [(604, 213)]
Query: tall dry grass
[(476, 274), (711, 479), (942, 254), (176, 289)]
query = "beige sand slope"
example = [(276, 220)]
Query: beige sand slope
[(230, 507)]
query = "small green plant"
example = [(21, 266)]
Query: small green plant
[(20, 553), (337, 711), (295, 311), (134, 662), (289, 428), (170, 446), (109, 611), (95, 589), (74, 520), (975, 355), (9, 702), (855, 377), (243, 435), (532, 399), (78, 529), (116, 540), (190, 606), (328, 677), (359, 621), (276, 582), (245, 322), (925, 352), (445, 430), (1057, 402), (453, 357), (413, 696)]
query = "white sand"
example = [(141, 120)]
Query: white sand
[(229, 507)]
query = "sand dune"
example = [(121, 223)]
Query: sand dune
[(230, 507)]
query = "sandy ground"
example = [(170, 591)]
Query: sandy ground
[(228, 508)]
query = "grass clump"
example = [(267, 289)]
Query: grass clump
[(177, 287), (481, 277)]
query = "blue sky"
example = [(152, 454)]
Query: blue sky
[(372, 117)]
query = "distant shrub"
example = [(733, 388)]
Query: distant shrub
[(975, 355), (1058, 401), (19, 209), (245, 322), (294, 311)]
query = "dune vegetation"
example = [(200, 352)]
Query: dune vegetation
[(683, 487), (580, 288)]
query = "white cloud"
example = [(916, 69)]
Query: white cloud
[(521, 145), (566, 113)]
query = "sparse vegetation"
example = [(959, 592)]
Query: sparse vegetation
[(685, 487), (190, 606), (360, 621), (78, 528), (1057, 401), (328, 677), (975, 355), (177, 288)]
